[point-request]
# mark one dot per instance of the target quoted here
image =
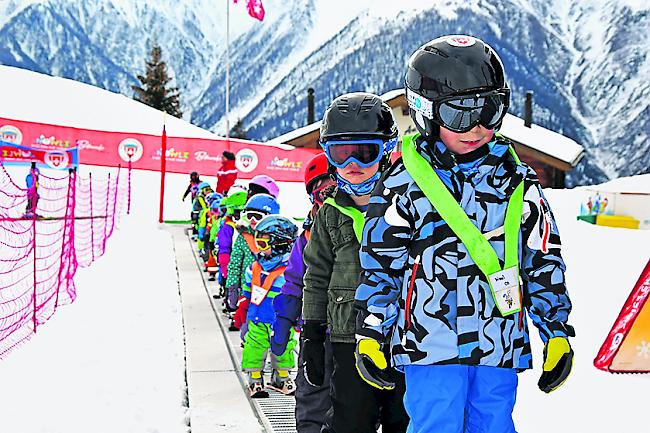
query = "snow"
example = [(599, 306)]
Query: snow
[(113, 360)]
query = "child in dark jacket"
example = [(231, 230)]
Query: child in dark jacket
[(312, 402), (459, 244), (358, 133)]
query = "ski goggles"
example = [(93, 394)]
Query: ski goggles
[(319, 195), (264, 244), (362, 152), (254, 215), (461, 113)]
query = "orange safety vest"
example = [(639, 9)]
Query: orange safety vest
[(259, 290)]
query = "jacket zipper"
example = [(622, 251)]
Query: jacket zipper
[(409, 296)]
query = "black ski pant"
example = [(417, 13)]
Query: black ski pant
[(358, 407), (313, 402)]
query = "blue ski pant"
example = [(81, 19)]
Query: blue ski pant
[(460, 398)]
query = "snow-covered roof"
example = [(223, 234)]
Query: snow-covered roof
[(542, 139), (40, 98), (536, 137)]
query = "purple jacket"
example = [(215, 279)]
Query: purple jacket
[(295, 269), (288, 304)]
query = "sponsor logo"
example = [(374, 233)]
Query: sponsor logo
[(461, 41), (87, 145), (246, 160), (130, 149), (172, 154), (284, 164), (57, 159), (11, 134), (202, 155), (13, 153), (51, 141)]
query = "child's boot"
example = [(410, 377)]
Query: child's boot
[(256, 385), (282, 382)]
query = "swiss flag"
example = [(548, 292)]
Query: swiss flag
[(255, 9)]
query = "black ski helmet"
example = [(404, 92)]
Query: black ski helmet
[(359, 115), (452, 65)]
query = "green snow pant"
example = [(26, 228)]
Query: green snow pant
[(257, 342)]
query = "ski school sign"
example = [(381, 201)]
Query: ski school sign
[(143, 152)]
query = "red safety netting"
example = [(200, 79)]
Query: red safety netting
[(41, 246)]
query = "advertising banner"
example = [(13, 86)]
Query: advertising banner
[(184, 155), (60, 159)]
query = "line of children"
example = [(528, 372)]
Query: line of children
[(312, 402), (274, 238), (458, 243), (358, 134), (450, 230)]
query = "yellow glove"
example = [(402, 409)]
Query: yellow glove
[(371, 364), (558, 360)]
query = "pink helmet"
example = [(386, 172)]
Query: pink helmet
[(267, 183)]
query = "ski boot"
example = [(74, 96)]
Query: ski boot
[(285, 385), (256, 386)]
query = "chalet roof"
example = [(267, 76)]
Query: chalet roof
[(536, 137)]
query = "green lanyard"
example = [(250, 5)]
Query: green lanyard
[(355, 214), (477, 245)]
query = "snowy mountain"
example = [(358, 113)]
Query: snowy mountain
[(586, 61)]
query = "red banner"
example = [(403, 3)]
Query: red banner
[(11, 153), (184, 155)]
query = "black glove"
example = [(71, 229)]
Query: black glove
[(313, 352)]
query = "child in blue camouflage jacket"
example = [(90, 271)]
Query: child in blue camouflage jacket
[(450, 230)]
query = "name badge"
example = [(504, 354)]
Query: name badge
[(505, 290), (258, 294)]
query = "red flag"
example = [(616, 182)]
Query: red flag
[(255, 9)]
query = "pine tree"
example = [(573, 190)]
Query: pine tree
[(154, 91), (238, 131)]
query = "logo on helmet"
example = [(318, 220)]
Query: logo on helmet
[(461, 41), (419, 104), (130, 149), (246, 160)]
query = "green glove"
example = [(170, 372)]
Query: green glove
[(371, 364), (558, 359)]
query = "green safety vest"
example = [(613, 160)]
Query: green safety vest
[(477, 245), (355, 214)]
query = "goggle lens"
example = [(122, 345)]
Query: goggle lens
[(463, 113), (319, 194), (262, 244), (254, 215), (364, 152)]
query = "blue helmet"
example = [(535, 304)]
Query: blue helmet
[(213, 198), (264, 203), (281, 231)]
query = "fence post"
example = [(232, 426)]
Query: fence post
[(92, 220), (63, 243)]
